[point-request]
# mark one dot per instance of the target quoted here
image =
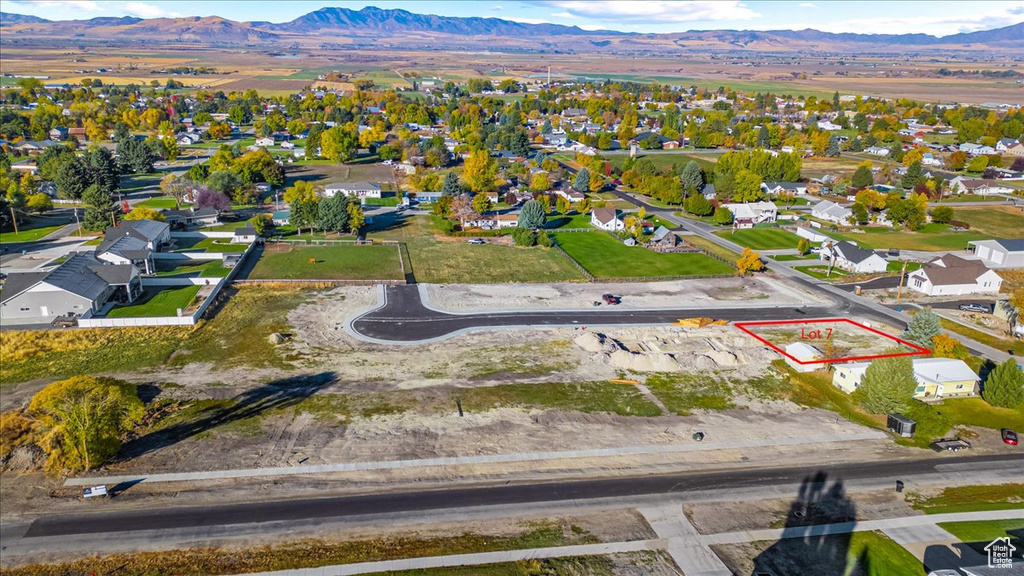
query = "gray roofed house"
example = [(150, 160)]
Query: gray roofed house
[(951, 275), (244, 235), (81, 285), (133, 242), (1002, 253), (853, 258)]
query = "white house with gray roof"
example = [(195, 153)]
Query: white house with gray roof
[(1000, 253), (853, 258), (133, 242), (82, 285), (831, 212), (354, 189)]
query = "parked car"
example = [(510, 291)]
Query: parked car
[(611, 299), (975, 307), (1009, 436), (476, 241)]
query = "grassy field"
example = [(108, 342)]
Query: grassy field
[(684, 393), (210, 269), (27, 234), (452, 261), (995, 221), (971, 499), (606, 257), (794, 257), (883, 556), (591, 397), (163, 302), (331, 262), (665, 160), (983, 531), (761, 238), (159, 203), (569, 221), (929, 237)]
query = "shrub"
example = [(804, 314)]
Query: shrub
[(524, 237)]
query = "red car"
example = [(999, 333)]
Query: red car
[(1009, 436)]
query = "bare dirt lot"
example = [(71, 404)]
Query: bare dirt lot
[(569, 296)]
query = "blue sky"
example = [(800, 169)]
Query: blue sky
[(895, 17)]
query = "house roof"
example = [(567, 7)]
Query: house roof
[(850, 251), (353, 186), (952, 270), (245, 231), (1014, 245), (82, 274), (803, 352), (660, 234), (18, 282), (829, 208), (604, 215), (941, 370)]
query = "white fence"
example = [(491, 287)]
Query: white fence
[(193, 255), (157, 281)]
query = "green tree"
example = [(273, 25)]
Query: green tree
[(888, 385), (698, 205), (451, 186), (338, 144), (134, 156), (862, 177), (198, 172), (942, 214), (723, 216), (911, 177), (977, 164), (524, 237), (748, 187), (533, 215), (99, 209), (860, 213), (582, 180), (261, 223), (332, 214), (562, 205), (39, 202), (83, 420), (356, 220), (803, 246), (102, 169), (71, 179), (304, 211), (224, 182), (143, 213), (923, 326), (1004, 386), (692, 178), (481, 203)]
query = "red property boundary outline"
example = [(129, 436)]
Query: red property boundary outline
[(918, 350)]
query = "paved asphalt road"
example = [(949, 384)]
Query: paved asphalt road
[(405, 319), (383, 503)]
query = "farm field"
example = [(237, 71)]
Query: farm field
[(453, 260), (606, 257), (997, 221), (761, 238), (330, 262), (163, 302), (929, 237)]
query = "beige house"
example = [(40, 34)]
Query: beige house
[(937, 378)]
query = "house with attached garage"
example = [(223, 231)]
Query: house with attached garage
[(606, 219), (354, 189), (980, 186), (937, 378), (951, 275), (82, 285), (748, 214), (1000, 253), (798, 188), (831, 212), (133, 242), (852, 258)]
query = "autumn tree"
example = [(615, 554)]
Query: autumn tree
[(481, 203), (749, 261), (803, 246), (83, 420), (945, 346), (301, 190), (143, 213), (723, 216), (480, 171)]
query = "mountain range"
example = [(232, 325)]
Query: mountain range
[(376, 25)]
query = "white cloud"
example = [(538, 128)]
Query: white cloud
[(807, 5), (143, 10), (655, 11), (973, 19), (562, 15), (497, 8), (526, 20), (80, 5)]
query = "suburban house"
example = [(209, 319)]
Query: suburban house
[(877, 151), (951, 275), (750, 213), (831, 212), (798, 188), (264, 142), (354, 189), (202, 216), (976, 149), (1017, 150), (133, 242), (59, 133), (244, 235), (281, 217), (980, 186), (82, 284), (852, 258), (804, 353), (1000, 253), (937, 378), (1004, 144), (663, 240), (606, 219)]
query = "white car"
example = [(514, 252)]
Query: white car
[(387, 162), (476, 241)]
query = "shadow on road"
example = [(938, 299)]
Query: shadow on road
[(274, 395), (805, 553)]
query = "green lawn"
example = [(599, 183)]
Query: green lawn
[(590, 397), (27, 235), (392, 200), (159, 203), (606, 257), (454, 261), (569, 221), (897, 266), (982, 530), (163, 302), (331, 262), (761, 238), (1016, 346), (207, 245), (972, 499), (929, 237), (210, 269), (227, 226), (793, 257), (996, 221), (820, 271), (666, 160), (882, 556)]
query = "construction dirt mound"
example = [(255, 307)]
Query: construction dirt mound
[(594, 342)]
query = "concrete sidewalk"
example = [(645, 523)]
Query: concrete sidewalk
[(487, 459)]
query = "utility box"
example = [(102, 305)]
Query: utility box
[(901, 425)]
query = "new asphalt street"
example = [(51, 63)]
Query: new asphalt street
[(508, 494)]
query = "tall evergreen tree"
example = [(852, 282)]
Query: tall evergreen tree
[(1004, 386), (582, 180), (924, 326), (451, 186), (911, 177), (99, 210), (888, 385), (692, 178)]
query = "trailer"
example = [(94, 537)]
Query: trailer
[(900, 425)]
